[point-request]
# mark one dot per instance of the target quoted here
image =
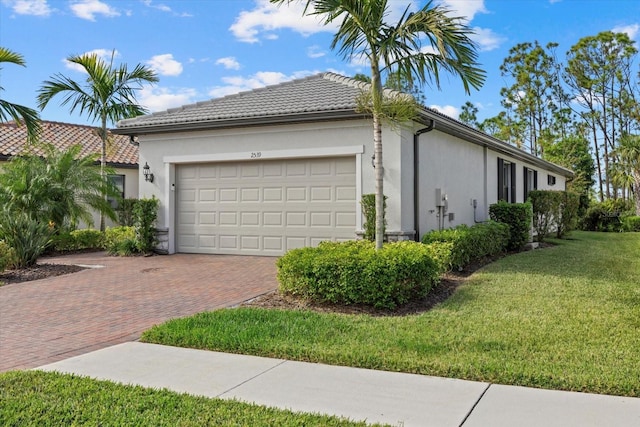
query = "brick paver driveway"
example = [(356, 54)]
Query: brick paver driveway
[(52, 319)]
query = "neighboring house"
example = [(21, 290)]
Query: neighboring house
[(122, 155), (285, 166)]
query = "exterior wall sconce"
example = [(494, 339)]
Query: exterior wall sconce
[(146, 171)]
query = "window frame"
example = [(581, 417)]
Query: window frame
[(114, 202), (506, 180), (530, 181)]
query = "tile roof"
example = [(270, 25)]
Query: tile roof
[(325, 92), (317, 97), (120, 152)]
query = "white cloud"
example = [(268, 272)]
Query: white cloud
[(486, 39), (164, 8), (104, 54), (265, 18), (165, 65), (29, 7), (235, 84), (631, 30), (88, 9), (447, 110), (466, 9), (229, 62), (156, 98), (315, 51)]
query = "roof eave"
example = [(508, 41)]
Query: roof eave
[(347, 114), (477, 137)]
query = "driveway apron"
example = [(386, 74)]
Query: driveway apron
[(116, 299)]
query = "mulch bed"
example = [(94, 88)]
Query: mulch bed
[(37, 272), (440, 293)]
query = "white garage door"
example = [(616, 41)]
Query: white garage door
[(264, 207)]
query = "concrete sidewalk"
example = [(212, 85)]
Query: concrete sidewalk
[(359, 394)]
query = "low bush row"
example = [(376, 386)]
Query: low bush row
[(469, 244), (355, 272)]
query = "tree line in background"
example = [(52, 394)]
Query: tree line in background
[(581, 113)]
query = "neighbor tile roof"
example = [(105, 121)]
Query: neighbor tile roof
[(325, 92), (120, 151)]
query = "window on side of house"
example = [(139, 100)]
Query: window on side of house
[(551, 180), (506, 180), (530, 181), (118, 182)]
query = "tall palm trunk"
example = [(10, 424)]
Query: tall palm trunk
[(376, 87), (103, 162)]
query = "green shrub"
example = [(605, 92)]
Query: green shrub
[(88, 238), (545, 208), (355, 272), (27, 237), (568, 214), (120, 240), (554, 210), (471, 243), (518, 217), (441, 252), (63, 242), (369, 210), (6, 256), (631, 223), (125, 212), (145, 214), (606, 216), (78, 240)]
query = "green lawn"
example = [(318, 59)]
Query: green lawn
[(566, 317), (32, 398)]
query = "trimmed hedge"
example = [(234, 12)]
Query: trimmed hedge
[(471, 243), (518, 217), (355, 272), (554, 210), (631, 223), (78, 240)]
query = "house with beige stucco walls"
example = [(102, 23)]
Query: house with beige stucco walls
[(285, 166)]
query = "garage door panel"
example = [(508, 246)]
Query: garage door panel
[(207, 218), (264, 207), (321, 194), (272, 219), (272, 194), (250, 194), (296, 194)]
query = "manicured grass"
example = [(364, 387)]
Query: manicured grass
[(32, 398), (566, 317)]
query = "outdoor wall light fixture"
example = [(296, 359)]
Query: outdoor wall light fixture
[(146, 171)]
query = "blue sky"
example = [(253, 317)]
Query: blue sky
[(204, 49)]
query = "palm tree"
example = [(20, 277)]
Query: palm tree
[(57, 188), (628, 152), (21, 115), (417, 47), (108, 94)]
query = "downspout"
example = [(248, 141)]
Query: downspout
[(416, 180)]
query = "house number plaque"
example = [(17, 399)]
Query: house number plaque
[(256, 155)]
